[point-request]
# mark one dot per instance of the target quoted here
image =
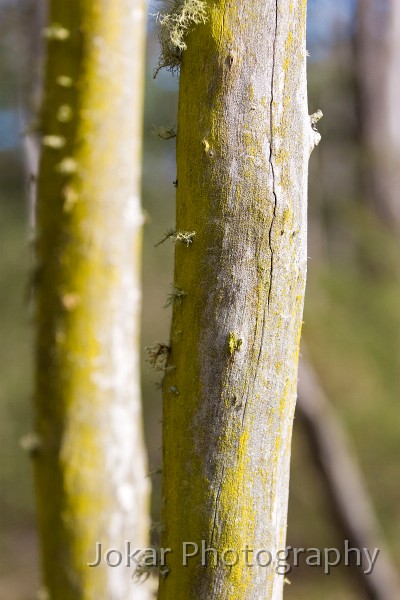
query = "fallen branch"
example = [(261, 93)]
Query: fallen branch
[(343, 478)]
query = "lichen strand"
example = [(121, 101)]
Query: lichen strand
[(87, 401), (242, 155), (174, 26)]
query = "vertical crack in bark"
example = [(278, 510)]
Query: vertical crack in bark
[(270, 157), (256, 369), (217, 497), (273, 212), (245, 405)]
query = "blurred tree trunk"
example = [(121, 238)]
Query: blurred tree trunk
[(90, 461), (378, 55), (244, 139)]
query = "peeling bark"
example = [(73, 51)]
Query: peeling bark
[(90, 461), (243, 143)]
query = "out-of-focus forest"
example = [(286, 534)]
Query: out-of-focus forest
[(352, 317)]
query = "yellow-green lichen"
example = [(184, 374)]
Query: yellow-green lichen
[(234, 343), (237, 516)]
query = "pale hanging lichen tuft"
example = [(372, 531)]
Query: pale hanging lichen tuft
[(174, 27), (175, 297), (179, 237), (31, 442), (157, 356), (149, 562), (164, 132), (184, 237)]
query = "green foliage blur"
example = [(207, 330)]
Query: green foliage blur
[(352, 317)]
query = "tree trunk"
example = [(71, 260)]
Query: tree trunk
[(90, 461), (244, 139), (378, 55)]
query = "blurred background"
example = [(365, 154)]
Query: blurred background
[(352, 314)]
